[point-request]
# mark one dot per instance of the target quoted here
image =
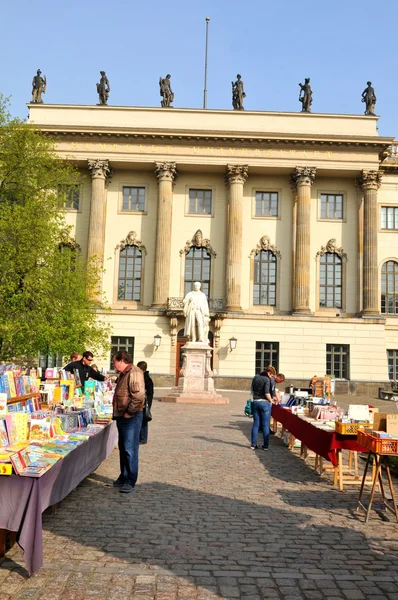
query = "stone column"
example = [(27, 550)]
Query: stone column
[(166, 173), (100, 171), (370, 182), (235, 176), (301, 180)]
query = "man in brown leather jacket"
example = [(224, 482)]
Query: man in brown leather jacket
[(128, 403)]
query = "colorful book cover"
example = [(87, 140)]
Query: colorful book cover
[(11, 431), (3, 434), (3, 404), (11, 383), (5, 385)]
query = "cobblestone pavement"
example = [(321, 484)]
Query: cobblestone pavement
[(210, 519)]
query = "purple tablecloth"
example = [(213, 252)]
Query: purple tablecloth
[(23, 499)]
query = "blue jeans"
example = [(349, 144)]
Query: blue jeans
[(129, 440), (261, 416), (144, 433)]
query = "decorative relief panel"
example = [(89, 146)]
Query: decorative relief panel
[(131, 240), (200, 242), (265, 244), (332, 248)]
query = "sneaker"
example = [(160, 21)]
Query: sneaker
[(264, 448), (117, 483), (254, 447), (126, 488)]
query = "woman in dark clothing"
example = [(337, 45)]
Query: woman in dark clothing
[(149, 397)]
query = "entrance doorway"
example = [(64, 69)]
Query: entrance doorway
[(181, 341)]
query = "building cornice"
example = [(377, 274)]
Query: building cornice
[(150, 137), (198, 126)]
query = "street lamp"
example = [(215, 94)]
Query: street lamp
[(157, 339)]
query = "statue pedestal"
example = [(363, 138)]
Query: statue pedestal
[(196, 384)]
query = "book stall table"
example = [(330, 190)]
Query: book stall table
[(23, 499), (379, 450), (325, 444)]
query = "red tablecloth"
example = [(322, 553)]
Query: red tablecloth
[(324, 443)]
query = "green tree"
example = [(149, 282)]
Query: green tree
[(45, 285)]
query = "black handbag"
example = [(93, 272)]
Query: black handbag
[(146, 417)]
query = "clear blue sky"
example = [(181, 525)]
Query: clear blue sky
[(340, 44)]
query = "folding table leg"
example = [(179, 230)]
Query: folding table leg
[(394, 504), (376, 479)]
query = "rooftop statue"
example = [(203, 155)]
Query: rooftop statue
[(166, 92), (39, 86), (196, 313), (238, 93), (369, 97), (305, 96), (103, 89)]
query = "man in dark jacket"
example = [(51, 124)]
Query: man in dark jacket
[(84, 370), (149, 397), (128, 402)]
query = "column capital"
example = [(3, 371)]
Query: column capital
[(369, 180), (166, 171), (99, 169), (236, 173), (302, 176)]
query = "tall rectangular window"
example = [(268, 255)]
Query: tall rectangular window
[(331, 206), (392, 357), (389, 217), (330, 281), (266, 204), (133, 199), (338, 360), (267, 353), (200, 202), (197, 268), (121, 343)]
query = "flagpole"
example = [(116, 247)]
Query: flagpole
[(207, 39)]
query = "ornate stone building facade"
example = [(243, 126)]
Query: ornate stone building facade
[(289, 220)]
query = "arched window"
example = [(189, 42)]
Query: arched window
[(330, 280), (389, 288), (197, 268), (264, 278), (130, 270)]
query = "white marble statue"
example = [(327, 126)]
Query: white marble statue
[(196, 312)]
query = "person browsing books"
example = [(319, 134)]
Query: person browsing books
[(128, 404), (262, 386), (82, 369)]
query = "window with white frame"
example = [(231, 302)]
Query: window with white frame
[(331, 206), (264, 285), (200, 202), (133, 199), (197, 268), (267, 204), (389, 218), (130, 271), (389, 288), (330, 280), (392, 358), (71, 195)]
